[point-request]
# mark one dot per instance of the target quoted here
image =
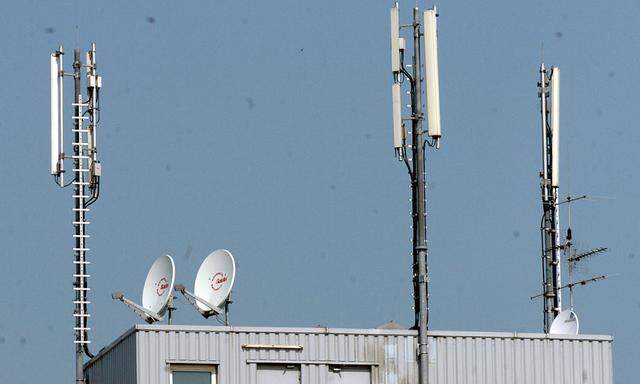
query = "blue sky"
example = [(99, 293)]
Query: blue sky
[(264, 128)]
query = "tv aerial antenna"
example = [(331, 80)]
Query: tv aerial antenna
[(213, 285), (157, 294), (86, 173), (423, 26), (574, 258)]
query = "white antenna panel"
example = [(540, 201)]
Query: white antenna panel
[(215, 278), (398, 131), (159, 285), (566, 323), (57, 142), (395, 36), (431, 75), (555, 126)]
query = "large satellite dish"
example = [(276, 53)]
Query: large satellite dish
[(213, 284), (157, 291), (566, 323)]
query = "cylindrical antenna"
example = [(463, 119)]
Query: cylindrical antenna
[(432, 81), (555, 126), (57, 134), (55, 118), (395, 36), (398, 129)]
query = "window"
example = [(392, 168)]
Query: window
[(193, 374)]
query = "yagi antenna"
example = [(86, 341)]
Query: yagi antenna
[(157, 291), (213, 285)]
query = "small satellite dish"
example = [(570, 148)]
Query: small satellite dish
[(159, 285), (215, 278), (566, 323), (157, 292), (213, 284)]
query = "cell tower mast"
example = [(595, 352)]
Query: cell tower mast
[(549, 93), (86, 177), (418, 145)]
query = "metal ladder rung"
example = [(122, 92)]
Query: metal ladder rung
[(80, 170), (81, 236), (79, 105), (80, 157), (80, 182), (82, 342), (81, 222), (81, 262), (82, 249), (80, 144), (81, 302), (81, 196), (81, 315), (81, 275), (86, 289), (80, 130), (81, 329), (80, 209), (79, 117)]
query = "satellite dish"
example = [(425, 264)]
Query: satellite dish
[(215, 278), (159, 285), (213, 285), (566, 323), (157, 292)]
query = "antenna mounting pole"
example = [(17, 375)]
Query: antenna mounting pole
[(549, 184), (420, 254)]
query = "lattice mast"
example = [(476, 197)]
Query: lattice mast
[(86, 172)]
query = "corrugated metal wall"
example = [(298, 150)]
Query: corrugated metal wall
[(116, 364), (455, 357), (494, 358), (237, 352)]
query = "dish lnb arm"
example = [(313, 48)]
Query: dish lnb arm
[(145, 314), (193, 299)]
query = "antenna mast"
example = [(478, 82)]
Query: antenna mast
[(86, 178), (416, 169), (549, 93)]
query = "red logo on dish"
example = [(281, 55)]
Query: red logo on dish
[(162, 286), (218, 280)]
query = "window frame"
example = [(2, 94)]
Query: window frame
[(177, 367)]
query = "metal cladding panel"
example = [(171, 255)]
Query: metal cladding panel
[(497, 360), (238, 352), (455, 357), (116, 364)]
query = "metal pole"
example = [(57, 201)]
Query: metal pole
[(550, 228), (420, 223), (544, 228), (226, 309), (79, 219)]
